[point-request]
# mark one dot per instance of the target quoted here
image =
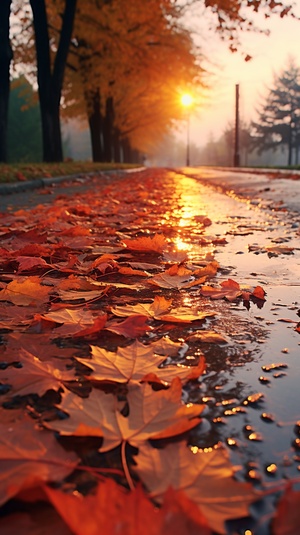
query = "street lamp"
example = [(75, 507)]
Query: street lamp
[(187, 101)]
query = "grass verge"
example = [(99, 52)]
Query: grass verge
[(30, 171)]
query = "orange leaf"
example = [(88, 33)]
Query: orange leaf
[(259, 293), (156, 244), (287, 517), (25, 292), (205, 477), (132, 327), (114, 508)]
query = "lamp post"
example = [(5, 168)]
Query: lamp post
[(187, 101)]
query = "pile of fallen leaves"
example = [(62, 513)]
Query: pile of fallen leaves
[(94, 432)]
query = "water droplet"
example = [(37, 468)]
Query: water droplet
[(264, 380), (267, 417), (208, 399), (253, 475), (297, 428), (219, 420), (296, 443), (253, 399), (257, 437), (226, 402), (232, 442), (271, 469), (279, 374), (274, 366)]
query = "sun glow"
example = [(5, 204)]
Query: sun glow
[(186, 100)]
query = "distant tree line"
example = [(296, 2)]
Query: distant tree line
[(276, 129), (121, 65)]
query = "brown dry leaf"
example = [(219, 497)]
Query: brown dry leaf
[(130, 271), (209, 337), (183, 315), (259, 293), (176, 276), (152, 310), (35, 376), (208, 271), (25, 291), (74, 283), (30, 456), (152, 415), (114, 510), (157, 310), (156, 244), (205, 477), (165, 346), (75, 321), (279, 249), (134, 363), (74, 295), (287, 516), (30, 263), (132, 327), (230, 289)]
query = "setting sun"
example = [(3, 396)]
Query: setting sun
[(186, 100)]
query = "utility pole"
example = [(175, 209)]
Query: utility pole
[(236, 158)]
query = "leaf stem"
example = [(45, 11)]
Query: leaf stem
[(125, 466)]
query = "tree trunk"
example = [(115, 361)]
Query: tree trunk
[(117, 145), (50, 81), (290, 144), (5, 59), (95, 124), (108, 129), (126, 150)]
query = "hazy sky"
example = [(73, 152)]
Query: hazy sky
[(269, 56)]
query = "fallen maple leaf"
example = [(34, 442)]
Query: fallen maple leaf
[(209, 337), (176, 276), (132, 327), (30, 456), (230, 289), (183, 315), (25, 291), (28, 263), (136, 363), (205, 477), (123, 270), (157, 310), (75, 322), (35, 376), (115, 510), (152, 310), (165, 346), (259, 293), (287, 516), (156, 244), (152, 415)]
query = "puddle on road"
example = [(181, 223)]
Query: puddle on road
[(260, 431)]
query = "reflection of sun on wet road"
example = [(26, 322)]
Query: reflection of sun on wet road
[(261, 428)]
